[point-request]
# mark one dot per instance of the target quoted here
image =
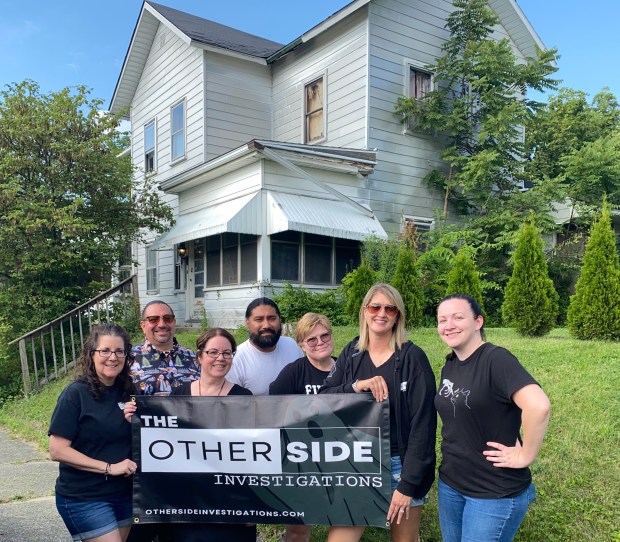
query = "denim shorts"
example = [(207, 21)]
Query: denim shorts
[(397, 468), (89, 519)]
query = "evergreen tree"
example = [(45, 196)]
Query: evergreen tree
[(407, 279), (530, 300), (356, 285), (464, 277), (594, 310)]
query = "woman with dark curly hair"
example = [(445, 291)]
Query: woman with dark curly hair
[(92, 442)]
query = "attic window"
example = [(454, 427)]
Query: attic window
[(314, 93)]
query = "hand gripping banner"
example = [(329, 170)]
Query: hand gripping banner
[(292, 459)]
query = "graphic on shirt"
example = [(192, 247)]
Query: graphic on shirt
[(454, 394)]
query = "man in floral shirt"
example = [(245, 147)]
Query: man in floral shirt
[(160, 355)]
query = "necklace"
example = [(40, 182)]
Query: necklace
[(218, 393)]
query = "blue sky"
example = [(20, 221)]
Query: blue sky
[(69, 42)]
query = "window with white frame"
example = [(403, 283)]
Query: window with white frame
[(420, 226), (312, 259), (152, 284), (419, 82), (149, 147), (231, 258), (177, 132), (314, 110)]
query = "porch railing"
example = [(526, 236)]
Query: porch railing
[(52, 349)]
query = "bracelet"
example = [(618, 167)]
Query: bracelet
[(354, 386), (107, 470)]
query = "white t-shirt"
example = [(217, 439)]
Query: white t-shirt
[(255, 370)]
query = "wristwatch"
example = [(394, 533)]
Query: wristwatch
[(354, 386)]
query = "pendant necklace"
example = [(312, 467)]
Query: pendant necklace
[(218, 393)]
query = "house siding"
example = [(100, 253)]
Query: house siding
[(340, 54), (237, 103)]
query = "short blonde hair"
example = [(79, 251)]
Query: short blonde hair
[(398, 331), (307, 323)]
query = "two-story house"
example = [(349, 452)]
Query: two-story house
[(279, 159)]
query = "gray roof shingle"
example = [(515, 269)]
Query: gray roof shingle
[(218, 35)]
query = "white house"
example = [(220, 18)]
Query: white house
[(279, 159)]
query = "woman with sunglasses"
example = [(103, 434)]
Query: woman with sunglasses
[(305, 376), (382, 362), (92, 442)]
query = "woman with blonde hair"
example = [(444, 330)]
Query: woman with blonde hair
[(383, 362)]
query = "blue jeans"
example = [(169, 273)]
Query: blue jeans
[(397, 468), (89, 519), (465, 519)]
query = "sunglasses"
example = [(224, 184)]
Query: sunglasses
[(167, 318), (375, 308), (313, 341)]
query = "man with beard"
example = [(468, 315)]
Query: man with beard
[(160, 355), (260, 359)]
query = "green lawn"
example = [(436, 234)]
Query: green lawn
[(577, 474)]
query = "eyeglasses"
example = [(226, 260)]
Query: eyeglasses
[(313, 341), (214, 354), (105, 353), (375, 308), (167, 318)]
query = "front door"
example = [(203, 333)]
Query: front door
[(196, 281)]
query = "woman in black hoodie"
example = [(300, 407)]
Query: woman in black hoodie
[(381, 361)]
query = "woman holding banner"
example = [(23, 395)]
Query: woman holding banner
[(92, 442), (215, 350), (381, 361)]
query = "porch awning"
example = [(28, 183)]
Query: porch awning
[(332, 218), (231, 216)]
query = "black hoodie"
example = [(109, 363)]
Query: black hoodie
[(416, 419)]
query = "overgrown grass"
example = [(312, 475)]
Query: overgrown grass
[(577, 474)]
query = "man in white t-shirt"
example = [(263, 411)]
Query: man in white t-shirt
[(260, 359)]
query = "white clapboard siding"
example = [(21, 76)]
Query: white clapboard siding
[(340, 55), (238, 102)]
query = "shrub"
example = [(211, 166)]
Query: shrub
[(407, 282), (295, 301), (464, 277), (594, 310), (381, 256), (434, 267), (355, 285), (530, 300)]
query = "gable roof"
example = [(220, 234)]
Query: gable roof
[(208, 34)]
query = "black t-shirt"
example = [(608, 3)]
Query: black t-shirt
[(98, 429), (298, 378), (475, 404), (185, 389)]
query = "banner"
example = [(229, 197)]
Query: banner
[(292, 459)]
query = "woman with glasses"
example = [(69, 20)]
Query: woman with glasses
[(305, 376), (92, 442), (215, 350), (382, 362)]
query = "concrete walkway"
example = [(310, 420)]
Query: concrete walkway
[(27, 509)]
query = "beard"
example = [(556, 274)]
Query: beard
[(265, 338)]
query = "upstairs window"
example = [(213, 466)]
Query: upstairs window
[(418, 83), (152, 284), (314, 110), (420, 226), (177, 133), (149, 147)]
